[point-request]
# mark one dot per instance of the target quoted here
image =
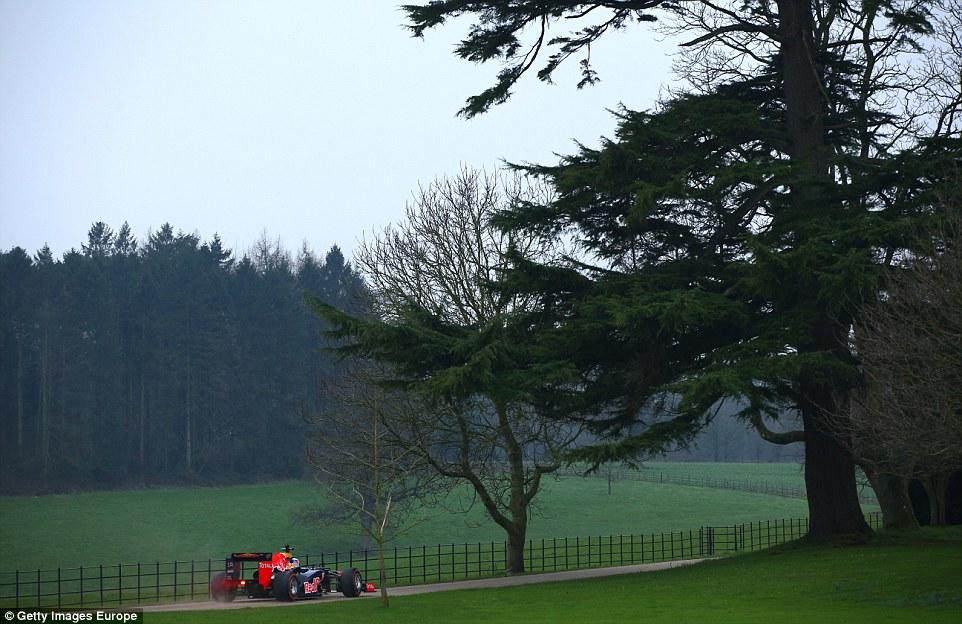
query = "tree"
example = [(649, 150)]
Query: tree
[(15, 311), (446, 332), (906, 420), (736, 228), (128, 363), (373, 480)]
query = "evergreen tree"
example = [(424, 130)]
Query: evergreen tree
[(737, 228), (168, 361)]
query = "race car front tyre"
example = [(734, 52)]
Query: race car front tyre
[(350, 583), (218, 588)]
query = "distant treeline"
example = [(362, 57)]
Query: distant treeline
[(165, 360)]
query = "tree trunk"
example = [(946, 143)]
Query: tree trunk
[(804, 102), (935, 488), (516, 542), (19, 394), (833, 506), (829, 468), (518, 501), (382, 574), (143, 424), (187, 443), (59, 424), (143, 401), (893, 497), (44, 425)]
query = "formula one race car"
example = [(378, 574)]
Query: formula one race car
[(281, 576)]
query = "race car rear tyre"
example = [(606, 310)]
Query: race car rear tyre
[(350, 583), (218, 588), (285, 586)]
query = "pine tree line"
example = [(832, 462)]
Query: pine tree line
[(160, 361)]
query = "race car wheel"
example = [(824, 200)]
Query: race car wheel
[(285, 586), (350, 583), (218, 588)]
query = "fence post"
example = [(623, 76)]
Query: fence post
[(191, 579), (81, 586), (157, 581), (175, 580), (38, 588), (58, 588), (17, 590), (101, 584), (138, 583), (120, 583)]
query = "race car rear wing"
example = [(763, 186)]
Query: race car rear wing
[(235, 562), (251, 556)]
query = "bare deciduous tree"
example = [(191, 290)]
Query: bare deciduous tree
[(372, 480), (444, 259), (444, 256), (907, 421)]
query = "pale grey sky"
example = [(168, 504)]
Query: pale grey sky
[(311, 120)]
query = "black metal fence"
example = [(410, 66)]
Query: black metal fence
[(131, 584)]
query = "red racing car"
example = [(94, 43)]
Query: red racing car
[(281, 576)]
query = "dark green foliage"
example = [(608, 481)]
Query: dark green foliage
[(709, 282), (498, 35), (156, 363)]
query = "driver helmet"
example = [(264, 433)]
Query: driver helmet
[(295, 562)]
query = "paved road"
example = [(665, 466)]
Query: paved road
[(502, 581)]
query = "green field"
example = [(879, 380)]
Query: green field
[(776, 474), (789, 474), (199, 523), (895, 578)]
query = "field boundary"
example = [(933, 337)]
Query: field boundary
[(650, 475), (156, 582)]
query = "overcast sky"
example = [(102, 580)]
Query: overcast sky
[(308, 120)]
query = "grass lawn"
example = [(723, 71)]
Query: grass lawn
[(895, 578), (184, 523)]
